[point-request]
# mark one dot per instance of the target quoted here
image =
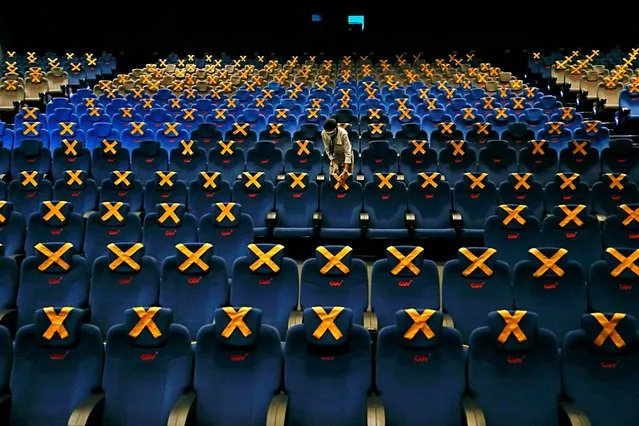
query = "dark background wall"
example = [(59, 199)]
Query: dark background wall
[(139, 27)]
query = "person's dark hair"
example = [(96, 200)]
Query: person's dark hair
[(330, 124)]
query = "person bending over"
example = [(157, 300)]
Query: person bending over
[(338, 148)]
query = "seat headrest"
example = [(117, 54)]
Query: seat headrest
[(75, 179), (475, 182), (149, 148), (251, 114), (327, 326), (534, 114), (411, 130), (62, 114), (209, 181), (110, 148), (622, 262), (477, 262), (341, 183), (296, 182), (122, 179), (385, 181), (237, 327), (570, 216), (518, 129), (437, 114), (303, 148), (378, 148), (522, 182), (512, 216), (30, 180), (54, 258), (616, 181), (226, 215), (58, 327), (253, 182), (157, 113), (513, 331), (148, 327), (265, 258), (419, 328), (629, 215), (30, 147), (621, 146), (226, 149), (170, 215), (497, 145), (405, 261), (429, 182), (55, 213), (265, 148), (334, 260), (6, 208), (591, 127), (551, 262), (125, 257), (567, 181), (71, 147), (113, 213), (165, 181), (609, 333), (194, 258)]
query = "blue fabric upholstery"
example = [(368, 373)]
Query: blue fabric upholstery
[(76, 188), (56, 222), (622, 228), (613, 189), (104, 227), (30, 155), (512, 236), (205, 190), (522, 188), (257, 198), (340, 208), (475, 199), (166, 187), (265, 157), (567, 188), (187, 160), (12, 229), (71, 156), (123, 186), (160, 238), (498, 160), (379, 157), (581, 157), (430, 200), (25, 196), (386, 206), (228, 159), (621, 156), (108, 156), (613, 293), (455, 159), (296, 200), (540, 159), (6, 359), (417, 158), (303, 157), (147, 158)]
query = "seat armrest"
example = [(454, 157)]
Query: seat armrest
[(410, 220), (317, 219), (280, 177), (271, 219), (571, 415), (448, 321), (320, 177), (88, 412), (601, 217), (363, 219), (370, 320), (179, 414), (375, 415), (9, 318), (5, 406), (456, 217), (276, 415), (359, 178), (294, 318), (87, 214), (472, 412), (400, 177)]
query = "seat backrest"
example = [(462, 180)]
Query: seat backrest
[(30, 155), (206, 135), (474, 284), (165, 187), (526, 359), (303, 157), (418, 157), (612, 282), (123, 278), (475, 197), (335, 277), (621, 157), (187, 160), (113, 222), (108, 156), (379, 157), (599, 365), (567, 188), (12, 229), (552, 286), (420, 369), (229, 230), (580, 157), (430, 200), (228, 159), (56, 222), (123, 186), (386, 201), (512, 231), (72, 155), (518, 134), (572, 228), (141, 353), (6, 359), (77, 189), (613, 190), (236, 356), (256, 194), (165, 227), (622, 228), (57, 347), (147, 158), (522, 188), (265, 157), (341, 201), (498, 160), (330, 354), (205, 190), (53, 276), (401, 280), (296, 200), (194, 284), (267, 280)]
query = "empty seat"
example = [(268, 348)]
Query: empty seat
[(72, 155), (480, 133), (401, 280), (612, 281), (572, 228), (56, 347), (552, 286), (430, 201), (141, 352), (267, 158), (147, 158), (30, 155), (54, 276), (420, 370), (444, 132), (512, 231), (417, 158), (171, 134), (513, 345), (335, 277), (614, 189), (378, 157), (567, 188), (386, 201), (194, 284), (28, 191), (164, 188), (599, 368), (108, 157), (165, 226), (374, 132), (187, 160), (622, 228), (303, 157), (206, 135), (113, 222), (521, 188), (65, 130), (267, 280), (242, 134), (455, 159), (539, 159), (207, 189), (55, 222), (580, 157), (257, 195), (228, 159), (237, 334), (12, 229), (518, 135), (123, 278), (327, 334), (595, 132), (474, 284), (296, 202), (341, 202), (621, 156), (557, 135), (122, 186), (134, 133), (475, 198), (409, 132), (229, 230)]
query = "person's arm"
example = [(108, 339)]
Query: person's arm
[(328, 155), (348, 153)]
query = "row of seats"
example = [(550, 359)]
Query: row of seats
[(421, 372)]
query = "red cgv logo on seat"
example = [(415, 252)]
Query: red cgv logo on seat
[(252, 195), (31, 194), (149, 356), (571, 235), (609, 364), (55, 231), (114, 231), (226, 161), (342, 195), (513, 236), (75, 194), (404, 283), (226, 233), (266, 281), (421, 358), (170, 233), (477, 284), (297, 195), (550, 286), (126, 280), (625, 287), (54, 280), (303, 161), (473, 196), (567, 197), (148, 160), (515, 359), (327, 358), (385, 196), (165, 195), (122, 193), (615, 197), (264, 161), (238, 357), (428, 196), (520, 197), (633, 236), (194, 280), (335, 283), (57, 356)]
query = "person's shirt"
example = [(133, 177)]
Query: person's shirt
[(341, 139)]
